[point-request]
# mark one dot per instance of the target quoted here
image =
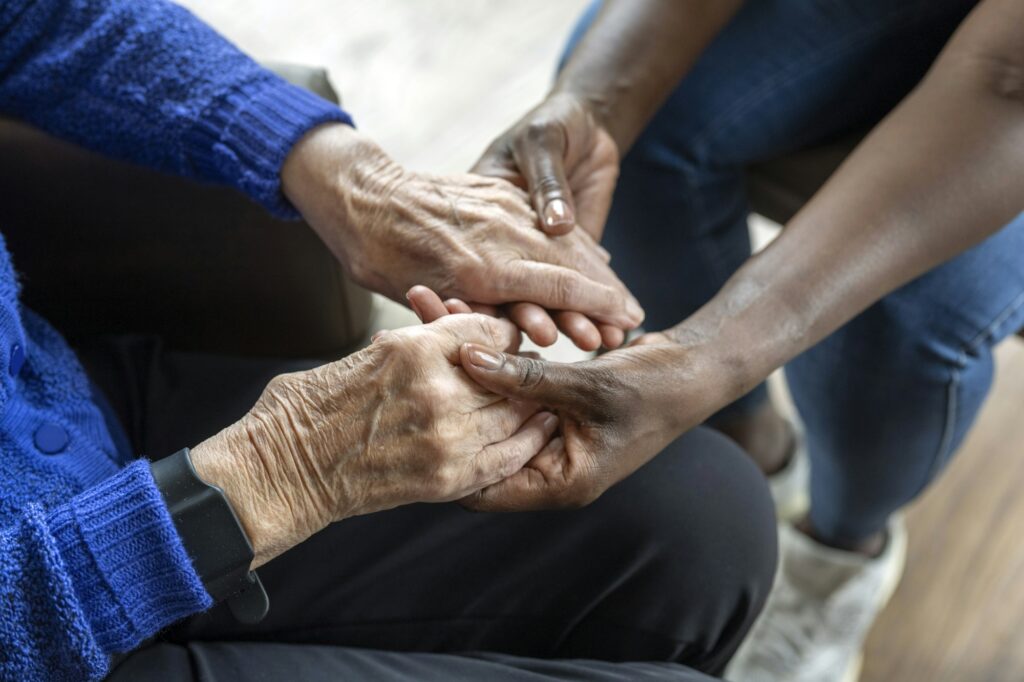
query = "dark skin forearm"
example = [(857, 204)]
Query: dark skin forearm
[(635, 54), (941, 173)]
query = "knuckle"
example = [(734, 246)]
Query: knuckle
[(440, 392), (423, 398), (431, 457), (511, 460), (548, 187), (278, 384), (531, 372), (359, 271), (568, 289), (543, 132), (447, 434), (491, 328), (394, 342), (488, 471), (445, 479)]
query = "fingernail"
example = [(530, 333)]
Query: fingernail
[(550, 421), (415, 308), (556, 212), (485, 359), (634, 310)]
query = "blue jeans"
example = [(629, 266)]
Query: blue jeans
[(886, 399)]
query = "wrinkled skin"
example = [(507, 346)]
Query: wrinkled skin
[(396, 423), (466, 236), (616, 412)]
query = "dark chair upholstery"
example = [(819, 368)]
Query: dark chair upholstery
[(107, 247)]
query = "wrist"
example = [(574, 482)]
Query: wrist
[(719, 374), (226, 460), (742, 335), (339, 180)]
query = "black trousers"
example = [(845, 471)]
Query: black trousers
[(658, 579)]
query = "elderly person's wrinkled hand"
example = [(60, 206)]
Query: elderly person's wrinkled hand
[(395, 423), (467, 236)]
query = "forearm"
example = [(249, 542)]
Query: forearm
[(940, 174), (635, 54), (334, 176)]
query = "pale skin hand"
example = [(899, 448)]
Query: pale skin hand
[(396, 423), (466, 236)]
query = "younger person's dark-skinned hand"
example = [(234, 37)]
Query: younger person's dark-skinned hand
[(615, 412), (568, 163)]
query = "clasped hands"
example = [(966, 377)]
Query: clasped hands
[(449, 410)]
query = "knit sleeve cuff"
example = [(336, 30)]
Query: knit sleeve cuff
[(244, 137), (131, 572)]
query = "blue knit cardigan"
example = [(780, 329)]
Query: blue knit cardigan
[(90, 563)]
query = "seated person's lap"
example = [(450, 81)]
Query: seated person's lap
[(670, 565)]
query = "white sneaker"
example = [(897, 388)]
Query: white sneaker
[(820, 610), (790, 485)]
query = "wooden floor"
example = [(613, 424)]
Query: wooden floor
[(434, 80), (959, 613)]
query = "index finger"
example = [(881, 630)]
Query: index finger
[(455, 330), (560, 288), (529, 489)]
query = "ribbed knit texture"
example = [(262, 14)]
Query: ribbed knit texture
[(247, 136), (148, 82), (90, 563), (129, 568), (95, 575)]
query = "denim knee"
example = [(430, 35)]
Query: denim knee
[(888, 398)]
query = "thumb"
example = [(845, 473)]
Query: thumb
[(550, 384), (540, 159)]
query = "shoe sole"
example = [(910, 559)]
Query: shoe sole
[(888, 589)]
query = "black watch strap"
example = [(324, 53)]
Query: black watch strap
[(213, 536)]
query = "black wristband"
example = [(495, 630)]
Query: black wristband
[(213, 537)]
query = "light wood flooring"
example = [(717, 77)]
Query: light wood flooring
[(434, 80)]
